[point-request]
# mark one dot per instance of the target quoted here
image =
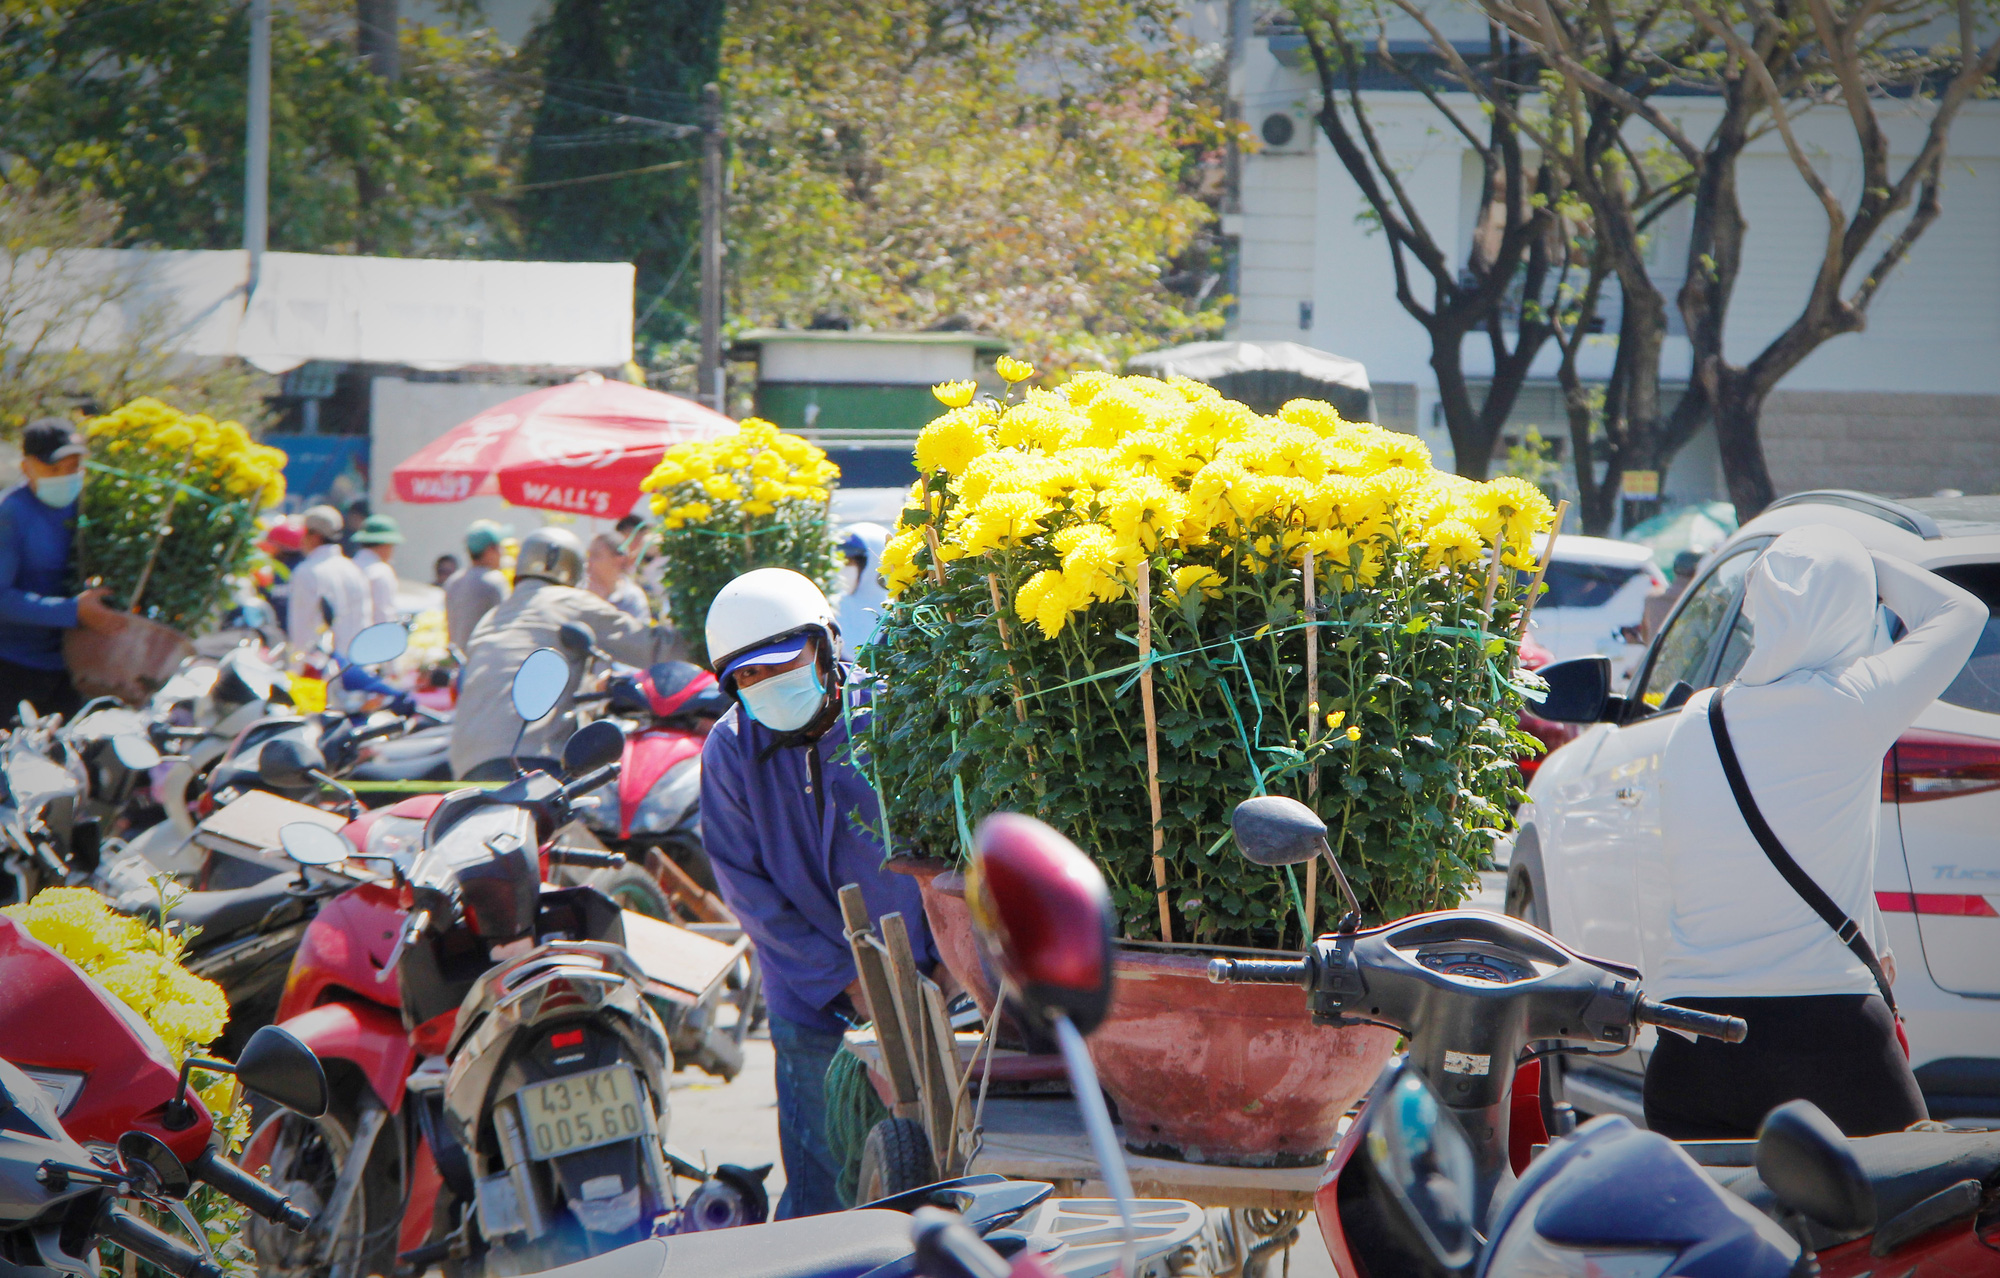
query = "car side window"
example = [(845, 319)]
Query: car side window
[(1682, 655), (1742, 636)]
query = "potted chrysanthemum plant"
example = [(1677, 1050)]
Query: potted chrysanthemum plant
[(1125, 604)]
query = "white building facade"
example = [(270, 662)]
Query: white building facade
[(1909, 406)]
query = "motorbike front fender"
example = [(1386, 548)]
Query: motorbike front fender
[(371, 1038)]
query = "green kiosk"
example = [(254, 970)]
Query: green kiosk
[(863, 396)]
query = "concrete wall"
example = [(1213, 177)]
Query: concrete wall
[(408, 415), (1899, 444)]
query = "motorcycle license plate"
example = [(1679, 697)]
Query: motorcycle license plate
[(582, 1111)]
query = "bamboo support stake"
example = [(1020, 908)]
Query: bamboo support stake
[(1000, 621), (1152, 745), (1492, 578), (166, 526), (1311, 597), (1541, 570), (937, 554)]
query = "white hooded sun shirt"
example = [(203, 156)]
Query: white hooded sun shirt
[(1819, 702)]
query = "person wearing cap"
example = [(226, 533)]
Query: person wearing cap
[(378, 538), (863, 591), (1661, 605), (607, 573), (36, 541), (548, 572), (477, 588), (325, 577), (787, 820)]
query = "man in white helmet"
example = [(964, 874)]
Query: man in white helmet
[(545, 598), (788, 819)]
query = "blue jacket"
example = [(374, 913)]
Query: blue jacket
[(35, 603), (782, 852)]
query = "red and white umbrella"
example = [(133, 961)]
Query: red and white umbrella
[(582, 447)]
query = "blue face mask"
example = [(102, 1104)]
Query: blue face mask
[(59, 491), (786, 702)]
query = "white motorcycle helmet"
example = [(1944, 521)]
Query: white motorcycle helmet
[(767, 613)]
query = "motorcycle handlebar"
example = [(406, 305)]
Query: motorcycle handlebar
[(148, 1243), (1225, 971), (213, 1169), (1730, 1029), (590, 781), (585, 858)]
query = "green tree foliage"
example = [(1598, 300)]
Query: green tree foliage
[(1031, 167), (143, 104), (621, 91)]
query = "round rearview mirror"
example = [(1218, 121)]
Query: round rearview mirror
[(1274, 830), (383, 641), (593, 746), (275, 1064), (310, 844), (1043, 912), (135, 752), (539, 683), (152, 1166), (283, 764)]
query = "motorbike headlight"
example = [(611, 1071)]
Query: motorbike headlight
[(1523, 1253), (666, 805), (395, 836)]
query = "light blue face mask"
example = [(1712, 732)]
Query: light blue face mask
[(786, 702), (59, 490)]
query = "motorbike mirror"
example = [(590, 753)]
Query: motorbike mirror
[(277, 1066), (153, 1167), (1424, 1163), (135, 752), (539, 684), (1274, 830), (310, 844), (1044, 914), (575, 640), (593, 746), (383, 641), (1578, 691), (1809, 1165), (281, 763)]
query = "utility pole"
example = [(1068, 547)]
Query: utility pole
[(257, 144), (711, 375)]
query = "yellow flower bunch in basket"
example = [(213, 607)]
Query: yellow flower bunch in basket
[(169, 508), (754, 498), (1325, 614)]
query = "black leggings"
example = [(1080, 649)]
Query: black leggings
[(1838, 1051)]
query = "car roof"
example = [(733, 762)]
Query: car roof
[(1923, 530), (1598, 550)]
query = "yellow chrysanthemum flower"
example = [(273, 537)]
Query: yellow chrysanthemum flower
[(955, 394), (951, 442), (1013, 370)]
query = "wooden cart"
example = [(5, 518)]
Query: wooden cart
[(941, 1124)]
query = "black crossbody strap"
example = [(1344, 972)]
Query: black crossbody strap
[(1823, 905)]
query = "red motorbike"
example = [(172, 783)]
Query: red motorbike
[(107, 1074)]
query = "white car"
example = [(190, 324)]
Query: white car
[(1586, 865), (1597, 590)]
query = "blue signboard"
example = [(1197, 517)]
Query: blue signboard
[(323, 468)]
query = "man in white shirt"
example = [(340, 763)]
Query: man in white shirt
[(325, 576), (477, 588), (379, 537)]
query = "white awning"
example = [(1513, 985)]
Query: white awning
[(426, 313)]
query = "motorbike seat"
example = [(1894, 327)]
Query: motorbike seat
[(843, 1244), (221, 915), (1904, 1167)]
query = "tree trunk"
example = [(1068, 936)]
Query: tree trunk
[(1472, 435), (1739, 403), (377, 37)]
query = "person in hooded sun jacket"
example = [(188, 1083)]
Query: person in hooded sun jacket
[(1822, 696)]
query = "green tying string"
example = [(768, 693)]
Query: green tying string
[(421, 787), (1257, 784)]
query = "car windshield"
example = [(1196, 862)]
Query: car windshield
[(1580, 585), (1682, 653), (1978, 684)]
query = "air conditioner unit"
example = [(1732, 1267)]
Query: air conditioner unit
[(1288, 132)]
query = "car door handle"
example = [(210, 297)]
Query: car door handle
[(1628, 794)]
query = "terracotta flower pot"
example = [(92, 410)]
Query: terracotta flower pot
[(1232, 1074)]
